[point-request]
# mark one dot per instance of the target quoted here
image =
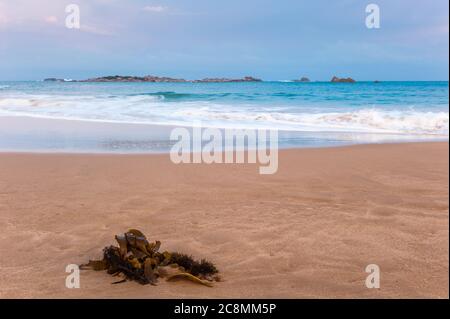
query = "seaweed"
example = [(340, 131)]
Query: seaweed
[(192, 266), (139, 260)]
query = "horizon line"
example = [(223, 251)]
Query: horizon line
[(71, 80)]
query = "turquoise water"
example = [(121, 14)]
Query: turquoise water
[(390, 110)]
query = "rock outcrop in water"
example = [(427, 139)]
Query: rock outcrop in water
[(151, 78), (57, 80), (303, 79), (223, 80), (127, 78), (335, 79)]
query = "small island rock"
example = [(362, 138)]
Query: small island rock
[(335, 79)]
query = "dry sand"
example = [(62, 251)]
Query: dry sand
[(307, 231)]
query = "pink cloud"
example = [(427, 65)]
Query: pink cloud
[(51, 19), (157, 8)]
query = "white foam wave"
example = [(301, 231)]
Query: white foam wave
[(364, 120), (149, 109)]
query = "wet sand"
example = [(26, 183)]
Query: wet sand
[(29, 134), (308, 231)]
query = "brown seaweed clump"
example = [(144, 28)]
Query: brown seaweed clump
[(139, 260)]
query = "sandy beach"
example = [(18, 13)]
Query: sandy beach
[(308, 231)]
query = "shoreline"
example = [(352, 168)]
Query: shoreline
[(164, 153), (307, 231), (24, 134)]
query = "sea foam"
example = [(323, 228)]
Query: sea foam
[(151, 109), (409, 108)]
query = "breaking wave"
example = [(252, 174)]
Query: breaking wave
[(152, 108)]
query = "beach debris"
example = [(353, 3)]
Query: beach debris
[(140, 260)]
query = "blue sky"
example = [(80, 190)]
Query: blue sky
[(274, 40)]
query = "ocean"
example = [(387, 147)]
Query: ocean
[(308, 114)]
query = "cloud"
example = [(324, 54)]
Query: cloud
[(25, 15), (3, 18), (156, 8), (51, 19), (46, 15), (96, 30)]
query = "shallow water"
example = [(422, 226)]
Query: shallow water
[(309, 114)]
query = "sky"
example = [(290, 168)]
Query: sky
[(269, 39)]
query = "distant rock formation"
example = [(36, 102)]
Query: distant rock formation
[(151, 78), (54, 80), (335, 79), (224, 80), (303, 79), (127, 78)]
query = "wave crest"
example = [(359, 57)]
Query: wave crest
[(153, 109)]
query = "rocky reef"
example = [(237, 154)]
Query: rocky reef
[(57, 80), (127, 78), (223, 80), (303, 79), (335, 79), (161, 79), (151, 78)]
